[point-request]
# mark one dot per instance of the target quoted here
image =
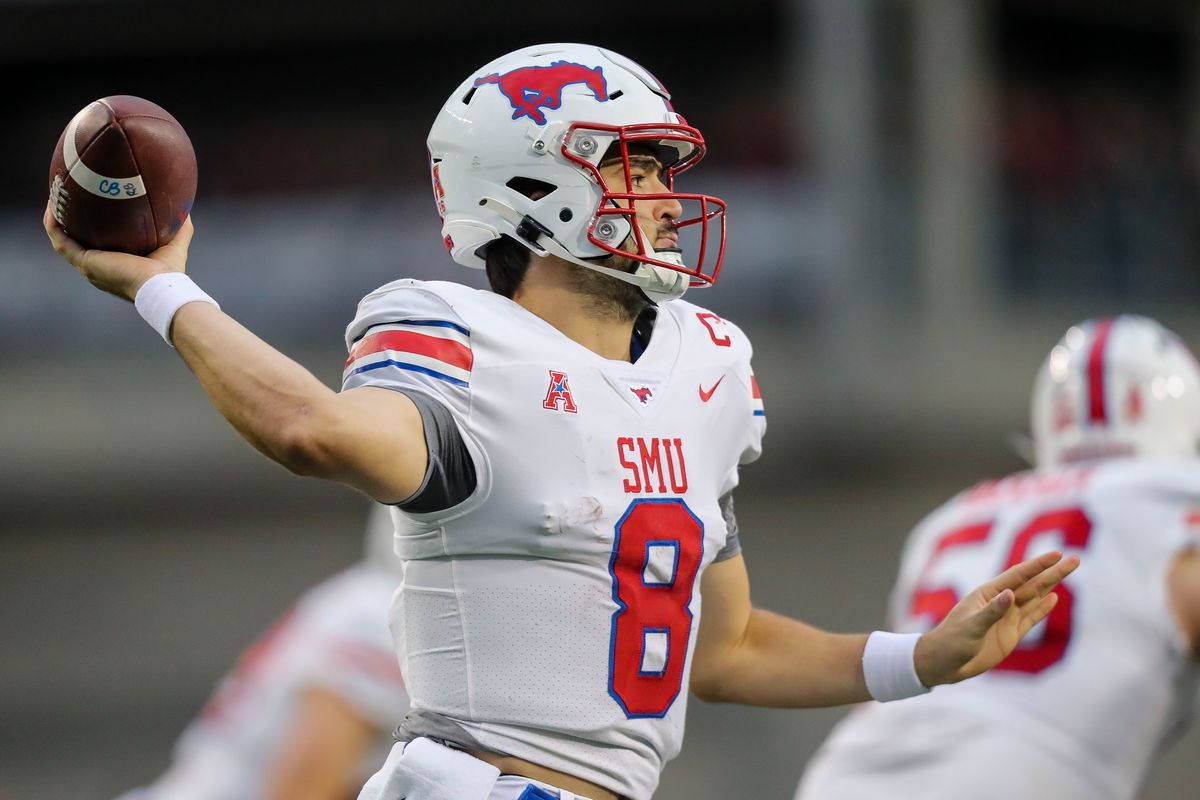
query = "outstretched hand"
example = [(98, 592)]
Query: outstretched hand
[(987, 624), (121, 274)]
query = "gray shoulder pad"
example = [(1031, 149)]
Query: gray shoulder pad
[(733, 544), (450, 477)]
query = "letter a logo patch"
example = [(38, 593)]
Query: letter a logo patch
[(558, 396)]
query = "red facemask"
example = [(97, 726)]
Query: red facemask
[(705, 210)]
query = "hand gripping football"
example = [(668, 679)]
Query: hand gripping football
[(123, 176)]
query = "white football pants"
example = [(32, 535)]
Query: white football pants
[(425, 770)]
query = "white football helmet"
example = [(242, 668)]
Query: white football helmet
[(1123, 386), (536, 123)]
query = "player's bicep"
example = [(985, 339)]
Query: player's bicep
[(724, 620), (377, 444)]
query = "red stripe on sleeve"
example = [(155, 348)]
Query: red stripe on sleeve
[(754, 387), (1096, 409), (446, 350)]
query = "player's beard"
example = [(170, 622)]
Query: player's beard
[(609, 297), (612, 297)]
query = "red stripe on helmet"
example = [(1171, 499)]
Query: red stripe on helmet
[(1096, 407)]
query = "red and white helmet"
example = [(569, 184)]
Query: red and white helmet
[(1122, 386), (537, 122)]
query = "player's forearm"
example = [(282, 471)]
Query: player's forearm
[(271, 400), (784, 663)]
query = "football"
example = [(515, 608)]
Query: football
[(123, 176)]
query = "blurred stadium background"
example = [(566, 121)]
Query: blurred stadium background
[(923, 194)]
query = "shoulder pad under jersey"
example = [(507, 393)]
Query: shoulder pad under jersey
[(406, 335)]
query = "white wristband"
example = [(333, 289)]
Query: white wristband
[(888, 666), (162, 296)]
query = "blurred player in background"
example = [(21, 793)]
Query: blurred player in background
[(1080, 709), (308, 712), (561, 451)]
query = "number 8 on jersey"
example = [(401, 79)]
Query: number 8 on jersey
[(657, 553)]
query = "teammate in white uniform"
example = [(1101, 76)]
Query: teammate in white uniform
[(1081, 708), (560, 451), (309, 710)]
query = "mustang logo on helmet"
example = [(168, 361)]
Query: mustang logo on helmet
[(530, 89)]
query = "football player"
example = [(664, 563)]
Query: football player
[(561, 451), (308, 711), (1081, 707)]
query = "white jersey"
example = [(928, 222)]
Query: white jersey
[(334, 638), (1079, 710), (551, 616)]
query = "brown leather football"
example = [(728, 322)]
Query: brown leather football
[(123, 176)]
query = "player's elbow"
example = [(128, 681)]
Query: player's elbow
[(723, 666), (305, 446), (710, 684), (299, 452)]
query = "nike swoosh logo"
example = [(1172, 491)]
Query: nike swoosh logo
[(706, 396)]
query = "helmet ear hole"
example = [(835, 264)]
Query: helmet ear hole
[(532, 188)]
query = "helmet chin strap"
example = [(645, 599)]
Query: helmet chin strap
[(659, 283)]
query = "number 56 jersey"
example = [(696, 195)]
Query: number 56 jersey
[(1080, 708), (552, 615)]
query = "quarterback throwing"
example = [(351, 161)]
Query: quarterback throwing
[(561, 452)]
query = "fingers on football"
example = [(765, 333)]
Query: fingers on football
[(63, 245), (174, 253), (1044, 582), (182, 239)]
